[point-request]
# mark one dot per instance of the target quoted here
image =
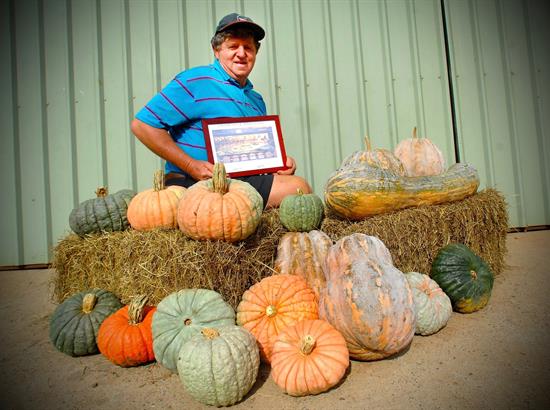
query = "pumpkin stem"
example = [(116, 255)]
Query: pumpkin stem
[(136, 308), (367, 143), (220, 181), (101, 192), (158, 180), (88, 302), (299, 191), (307, 344), (210, 333), (187, 322), (271, 311), (414, 133), (473, 274)]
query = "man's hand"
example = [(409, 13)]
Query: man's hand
[(199, 170), (290, 167)]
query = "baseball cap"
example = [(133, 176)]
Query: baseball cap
[(234, 19)]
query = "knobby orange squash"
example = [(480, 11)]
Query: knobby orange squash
[(220, 208), (156, 207), (303, 254), (272, 304), (366, 298), (309, 358), (420, 156), (125, 337)]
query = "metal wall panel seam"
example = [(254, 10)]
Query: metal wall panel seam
[(131, 96), (333, 86), (418, 88), (388, 69), (275, 71), (509, 91), (484, 103), (45, 134), (16, 133), (306, 142), (356, 29), (535, 85), (101, 91)]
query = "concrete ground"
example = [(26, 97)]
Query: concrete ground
[(497, 358)]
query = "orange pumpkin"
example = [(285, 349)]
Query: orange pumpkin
[(156, 207), (303, 254), (309, 357), (125, 337), (220, 208), (272, 304), (366, 298), (420, 156)]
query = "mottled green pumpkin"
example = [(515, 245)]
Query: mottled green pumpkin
[(106, 213), (218, 366), (463, 276), (432, 307), (359, 190), (301, 212), (183, 314), (75, 323)]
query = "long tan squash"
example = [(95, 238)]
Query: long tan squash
[(358, 191)]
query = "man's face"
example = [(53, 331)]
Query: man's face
[(237, 56)]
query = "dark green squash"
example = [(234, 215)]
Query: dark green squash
[(106, 213), (463, 276), (301, 212), (75, 322)]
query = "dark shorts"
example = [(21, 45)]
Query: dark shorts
[(262, 183)]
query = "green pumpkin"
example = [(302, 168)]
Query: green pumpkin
[(463, 276), (75, 322), (301, 212), (219, 366), (183, 314), (106, 213)]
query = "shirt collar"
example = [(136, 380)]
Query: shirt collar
[(247, 86)]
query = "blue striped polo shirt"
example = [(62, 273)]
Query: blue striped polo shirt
[(194, 94)]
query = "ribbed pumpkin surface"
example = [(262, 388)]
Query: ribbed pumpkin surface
[(75, 322), (183, 314), (301, 212), (156, 207), (463, 276), (125, 337), (272, 304), (357, 192), (431, 305), (366, 298), (106, 213), (309, 358), (420, 156), (219, 365), (303, 254), (220, 209)]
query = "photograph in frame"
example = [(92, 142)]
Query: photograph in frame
[(245, 145)]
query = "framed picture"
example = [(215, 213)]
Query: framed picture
[(245, 145)]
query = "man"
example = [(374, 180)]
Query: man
[(170, 124)]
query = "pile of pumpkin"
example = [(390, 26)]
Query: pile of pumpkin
[(325, 303)]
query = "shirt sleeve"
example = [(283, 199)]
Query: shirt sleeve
[(172, 106)]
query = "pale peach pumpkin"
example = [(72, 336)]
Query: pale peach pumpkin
[(156, 207), (220, 208), (303, 254), (366, 298), (420, 156), (309, 358), (271, 305)]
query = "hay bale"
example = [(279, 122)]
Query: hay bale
[(415, 235), (160, 262)]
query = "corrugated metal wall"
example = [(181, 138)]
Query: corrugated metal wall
[(73, 73)]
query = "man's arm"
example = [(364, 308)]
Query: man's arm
[(161, 143)]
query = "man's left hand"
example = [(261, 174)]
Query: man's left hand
[(290, 167)]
